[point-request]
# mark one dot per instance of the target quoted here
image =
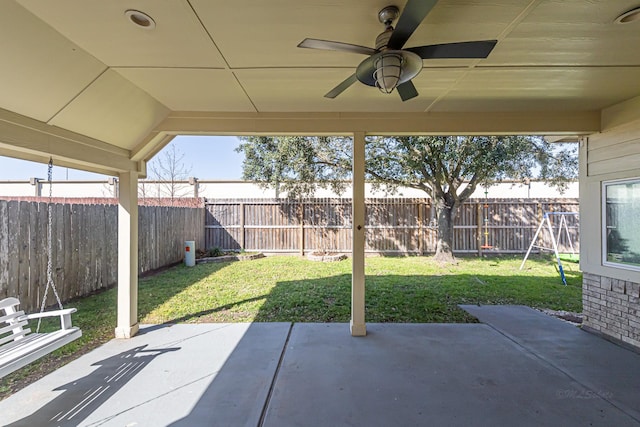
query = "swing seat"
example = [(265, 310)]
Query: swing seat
[(18, 346)]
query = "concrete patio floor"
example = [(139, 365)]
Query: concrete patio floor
[(520, 367)]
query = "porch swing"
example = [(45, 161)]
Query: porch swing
[(18, 346)]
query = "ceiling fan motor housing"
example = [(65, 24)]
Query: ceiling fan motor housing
[(382, 40)]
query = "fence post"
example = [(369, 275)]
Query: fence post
[(479, 220), (242, 241), (540, 213), (421, 227), (37, 185), (301, 220), (196, 186), (427, 210)]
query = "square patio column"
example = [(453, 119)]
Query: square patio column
[(358, 326), (127, 325)]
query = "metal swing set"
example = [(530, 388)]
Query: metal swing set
[(555, 240), (18, 345)]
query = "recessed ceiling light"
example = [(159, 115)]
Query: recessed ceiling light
[(140, 19), (629, 16)]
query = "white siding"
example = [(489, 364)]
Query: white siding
[(614, 154)]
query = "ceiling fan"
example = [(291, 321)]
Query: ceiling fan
[(389, 66)]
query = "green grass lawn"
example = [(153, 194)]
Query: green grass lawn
[(293, 289)]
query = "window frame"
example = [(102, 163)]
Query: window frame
[(603, 224)]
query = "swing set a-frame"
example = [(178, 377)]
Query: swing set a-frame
[(546, 224)]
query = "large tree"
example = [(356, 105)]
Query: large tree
[(447, 168)]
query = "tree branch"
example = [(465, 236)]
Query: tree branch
[(470, 188)]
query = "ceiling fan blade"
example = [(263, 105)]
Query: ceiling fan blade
[(477, 49), (407, 90), (413, 14), (341, 87), (339, 46)]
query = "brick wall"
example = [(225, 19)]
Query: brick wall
[(612, 307)]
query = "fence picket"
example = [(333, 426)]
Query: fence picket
[(393, 225), (4, 249), (84, 246)]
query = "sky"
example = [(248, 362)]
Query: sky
[(207, 158)]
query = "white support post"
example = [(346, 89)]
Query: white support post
[(358, 326), (127, 256)]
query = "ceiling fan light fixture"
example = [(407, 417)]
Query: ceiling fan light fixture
[(140, 19), (388, 68), (629, 16)]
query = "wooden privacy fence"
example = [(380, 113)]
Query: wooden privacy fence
[(395, 225), (85, 246)]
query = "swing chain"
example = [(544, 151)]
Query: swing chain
[(50, 283)]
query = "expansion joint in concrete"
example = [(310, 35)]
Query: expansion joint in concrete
[(267, 401)]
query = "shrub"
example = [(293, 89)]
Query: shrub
[(215, 252)]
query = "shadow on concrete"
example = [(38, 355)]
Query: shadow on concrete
[(238, 394), (83, 396), (316, 374)]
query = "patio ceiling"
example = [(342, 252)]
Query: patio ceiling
[(77, 73)]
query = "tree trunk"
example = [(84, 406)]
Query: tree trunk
[(444, 245)]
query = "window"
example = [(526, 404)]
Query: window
[(622, 223)]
